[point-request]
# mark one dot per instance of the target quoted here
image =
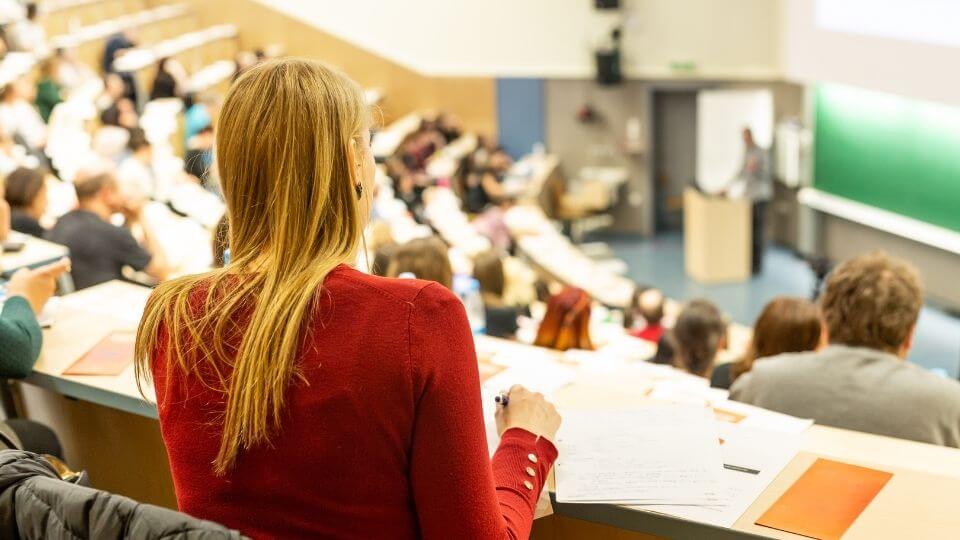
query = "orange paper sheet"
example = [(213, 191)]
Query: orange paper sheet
[(110, 356), (826, 500)]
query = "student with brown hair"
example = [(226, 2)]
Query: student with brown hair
[(862, 380), (425, 258), (646, 304), (26, 192), (566, 324), (301, 398), (786, 325), (698, 335), (221, 242), (501, 319)]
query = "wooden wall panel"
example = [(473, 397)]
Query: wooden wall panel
[(405, 90)]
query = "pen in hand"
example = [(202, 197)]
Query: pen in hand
[(502, 399)]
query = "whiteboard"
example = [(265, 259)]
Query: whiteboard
[(721, 117)]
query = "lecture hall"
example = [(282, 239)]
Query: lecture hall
[(464, 269)]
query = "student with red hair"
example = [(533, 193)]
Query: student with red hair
[(567, 322)]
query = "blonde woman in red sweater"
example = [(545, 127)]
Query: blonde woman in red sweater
[(301, 398)]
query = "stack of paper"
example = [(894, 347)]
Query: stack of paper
[(660, 454), (752, 458)]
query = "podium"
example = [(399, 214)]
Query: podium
[(717, 238)]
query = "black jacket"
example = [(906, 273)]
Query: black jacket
[(36, 504)]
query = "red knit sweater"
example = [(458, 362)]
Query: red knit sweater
[(383, 439)]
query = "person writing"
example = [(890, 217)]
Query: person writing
[(753, 183), (20, 337), (20, 340), (301, 398)]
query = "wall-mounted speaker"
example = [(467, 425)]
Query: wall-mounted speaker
[(607, 4), (608, 67)]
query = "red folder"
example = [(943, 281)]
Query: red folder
[(826, 500), (110, 356)]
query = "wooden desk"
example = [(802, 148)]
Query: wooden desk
[(104, 424), (36, 252), (83, 319), (917, 503)]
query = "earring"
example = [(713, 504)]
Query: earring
[(359, 189)]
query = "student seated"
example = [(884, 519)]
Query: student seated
[(566, 324), (862, 380), (786, 325), (165, 84), (501, 319), (27, 34), (643, 319), (698, 335), (221, 242), (198, 159), (27, 292), (317, 401), (19, 118), (49, 89), (425, 258), (199, 116), (26, 192), (135, 174), (121, 113), (98, 248), (477, 180)]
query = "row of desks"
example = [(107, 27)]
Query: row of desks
[(918, 501)]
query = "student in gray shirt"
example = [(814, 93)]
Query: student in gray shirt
[(862, 381)]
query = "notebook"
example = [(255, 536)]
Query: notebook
[(826, 500), (110, 356)]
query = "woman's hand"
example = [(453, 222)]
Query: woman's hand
[(37, 285), (530, 411)]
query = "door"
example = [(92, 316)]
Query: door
[(675, 154)]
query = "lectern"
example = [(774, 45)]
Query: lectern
[(717, 238)]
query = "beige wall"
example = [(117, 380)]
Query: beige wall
[(471, 98), (555, 38)]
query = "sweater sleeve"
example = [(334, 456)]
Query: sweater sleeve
[(457, 491), (20, 338), (741, 389)]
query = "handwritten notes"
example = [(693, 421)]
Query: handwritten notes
[(659, 454)]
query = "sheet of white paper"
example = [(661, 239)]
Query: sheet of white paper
[(126, 305), (510, 353), (542, 377), (755, 417), (665, 453), (684, 388), (752, 458)]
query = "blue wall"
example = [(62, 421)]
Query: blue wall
[(520, 114)]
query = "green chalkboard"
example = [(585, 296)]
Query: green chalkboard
[(890, 152)]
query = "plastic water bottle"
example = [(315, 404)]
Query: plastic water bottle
[(473, 302)]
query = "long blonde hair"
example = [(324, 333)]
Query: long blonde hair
[(294, 215)]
